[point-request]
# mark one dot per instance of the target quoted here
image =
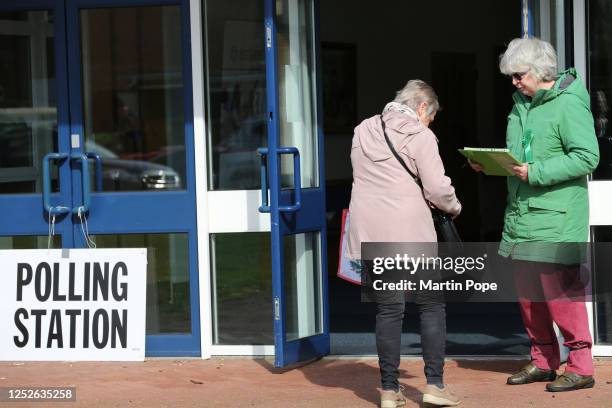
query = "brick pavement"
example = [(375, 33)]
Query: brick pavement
[(247, 382)]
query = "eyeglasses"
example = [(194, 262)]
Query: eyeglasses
[(519, 75)]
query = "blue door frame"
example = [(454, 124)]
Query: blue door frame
[(109, 213), (292, 211)]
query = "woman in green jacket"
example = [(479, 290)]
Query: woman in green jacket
[(547, 215)]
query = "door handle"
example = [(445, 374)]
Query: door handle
[(57, 209), (297, 179), (265, 205), (82, 157), (97, 169)]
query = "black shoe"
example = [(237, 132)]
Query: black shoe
[(529, 374), (569, 381)]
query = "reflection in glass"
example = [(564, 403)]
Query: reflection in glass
[(133, 96), (603, 301), (600, 81), (236, 93), (14, 16), (168, 298), (30, 242), (296, 73), (28, 115), (242, 288), (302, 272)]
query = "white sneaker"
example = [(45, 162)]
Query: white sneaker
[(392, 399), (441, 397)]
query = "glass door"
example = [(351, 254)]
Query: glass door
[(580, 32), (34, 132), (131, 120), (236, 126), (292, 170), (97, 143), (597, 58)]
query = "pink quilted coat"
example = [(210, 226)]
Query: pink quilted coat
[(386, 204)]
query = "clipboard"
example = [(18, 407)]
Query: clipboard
[(494, 162)]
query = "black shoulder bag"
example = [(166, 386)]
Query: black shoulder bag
[(443, 222)]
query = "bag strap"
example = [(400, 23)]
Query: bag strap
[(397, 156), (403, 163)]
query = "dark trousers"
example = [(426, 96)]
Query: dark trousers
[(389, 318)]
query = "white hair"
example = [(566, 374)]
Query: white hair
[(530, 54), (416, 92)]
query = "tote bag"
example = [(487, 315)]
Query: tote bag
[(348, 269)]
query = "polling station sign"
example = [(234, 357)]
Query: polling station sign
[(73, 304)]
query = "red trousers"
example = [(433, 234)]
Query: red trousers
[(540, 288)]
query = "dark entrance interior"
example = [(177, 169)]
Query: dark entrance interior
[(368, 53)]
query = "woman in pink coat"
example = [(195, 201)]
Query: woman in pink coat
[(388, 206)]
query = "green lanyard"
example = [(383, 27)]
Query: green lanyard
[(527, 138)]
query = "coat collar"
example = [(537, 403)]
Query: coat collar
[(563, 83)]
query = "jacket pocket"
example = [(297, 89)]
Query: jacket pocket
[(546, 219)]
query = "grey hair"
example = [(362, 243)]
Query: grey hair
[(530, 54), (416, 92)]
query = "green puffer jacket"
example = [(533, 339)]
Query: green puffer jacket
[(554, 133)]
